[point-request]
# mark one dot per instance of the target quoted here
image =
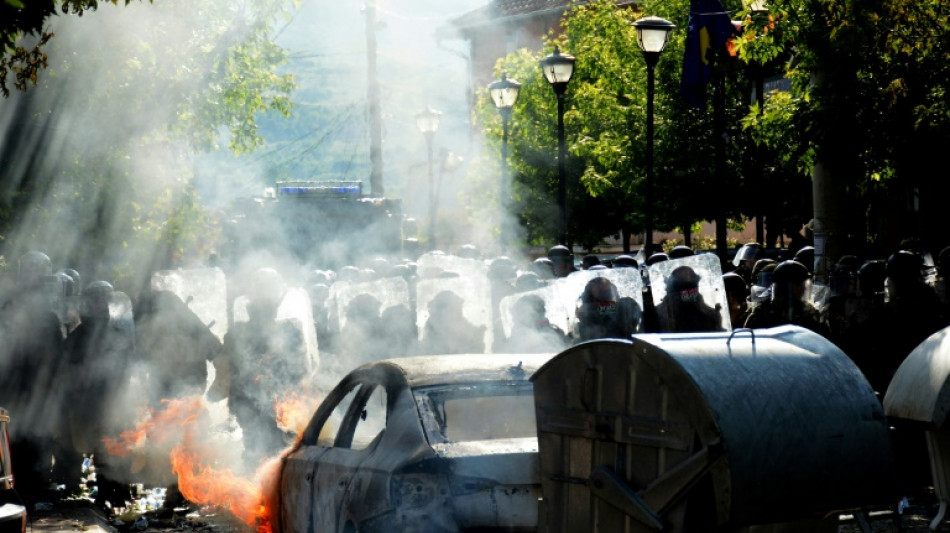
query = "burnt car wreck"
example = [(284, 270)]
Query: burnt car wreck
[(438, 443)]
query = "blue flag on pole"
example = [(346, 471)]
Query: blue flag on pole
[(710, 27)]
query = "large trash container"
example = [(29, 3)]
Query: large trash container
[(707, 432), (919, 392)]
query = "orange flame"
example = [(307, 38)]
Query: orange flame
[(207, 485), (193, 456), (293, 412), (158, 427)]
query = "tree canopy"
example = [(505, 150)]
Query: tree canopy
[(867, 99), (100, 155)]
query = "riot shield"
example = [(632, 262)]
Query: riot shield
[(371, 321), (295, 311), (528, 326), (589, 317), (689, 295), (453, 314), (389, 292), (204, 291), (121, 318)]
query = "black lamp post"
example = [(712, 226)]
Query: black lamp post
[(428, 122), (504, 93), (652, 35), (558, 69)]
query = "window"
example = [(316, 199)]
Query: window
[(372, 419), (328, 432), (477, 412)]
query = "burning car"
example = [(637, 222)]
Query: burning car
[(436, 443)]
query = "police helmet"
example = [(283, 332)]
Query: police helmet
[(682, 278), (77, 279), (559, 251), (527, 281), (32, 266), (790, 271), (904, 266), (806, 256), (658, 257), (749, 252), (96, 298), (600, 289), (735, 285), (680, 250), (622, 261), (871, 277), (502, 268)]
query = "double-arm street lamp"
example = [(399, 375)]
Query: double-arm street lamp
[(428, 122), (652, 35), (558, 69), (504, 93)]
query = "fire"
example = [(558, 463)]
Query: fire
[(208, 485), (158, 427), (183, 426), (293, 412)]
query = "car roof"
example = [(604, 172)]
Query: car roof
[(429, 370)]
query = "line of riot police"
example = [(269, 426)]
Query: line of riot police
[(66, 351)]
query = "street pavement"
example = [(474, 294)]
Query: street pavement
[(71, 516)]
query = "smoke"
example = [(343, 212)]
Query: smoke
[(115, 166)]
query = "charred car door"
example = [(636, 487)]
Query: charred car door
[(336, 479), (300, 504)]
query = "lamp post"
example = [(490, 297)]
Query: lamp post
[(504, 93), (558, 69), (652, 35), (428, 122)]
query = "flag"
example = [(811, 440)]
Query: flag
[(710, 27)]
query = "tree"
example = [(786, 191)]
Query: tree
[(869, 105), (605, 128), (100, 158)]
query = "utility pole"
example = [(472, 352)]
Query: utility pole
[(375, 114)]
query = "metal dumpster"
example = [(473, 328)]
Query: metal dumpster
[(919, 392), (707, 432)]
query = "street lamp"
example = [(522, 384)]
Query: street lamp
[(652, 35), (504, 93), (428, 122), (558, 69)]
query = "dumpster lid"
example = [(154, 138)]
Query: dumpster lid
[(919, 389)]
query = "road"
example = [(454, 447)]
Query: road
[(82, 516)]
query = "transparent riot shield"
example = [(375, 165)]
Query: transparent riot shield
[(552, 308), (624, 306), (689, 295), (121, 317), (454, 314), (294, 310), (203, 290), (389, 292), (371, 321)]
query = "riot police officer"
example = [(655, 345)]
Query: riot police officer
[(601, 312), (789, 303), (683, 308)]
